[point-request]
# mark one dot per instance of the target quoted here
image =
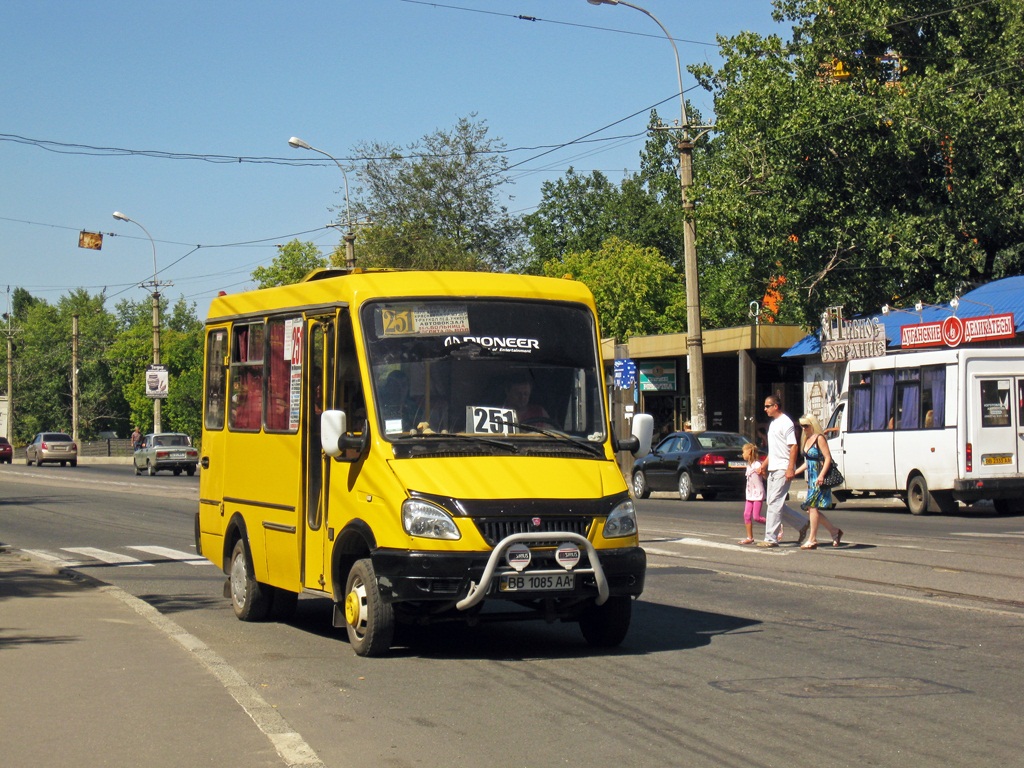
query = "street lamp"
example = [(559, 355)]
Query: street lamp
[(156, 314), (694, 341), (350, 236)]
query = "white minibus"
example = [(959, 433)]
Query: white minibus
[(934, 427)]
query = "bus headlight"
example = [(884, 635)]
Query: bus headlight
[(621, 522), (427, 521)]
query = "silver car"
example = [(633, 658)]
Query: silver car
[(53, 448), (171, 451)]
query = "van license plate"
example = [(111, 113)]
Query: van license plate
[(527, 582), (989, 461)]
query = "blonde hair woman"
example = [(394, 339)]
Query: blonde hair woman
[(817, 462)]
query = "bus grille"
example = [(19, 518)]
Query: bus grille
[(494, 529)]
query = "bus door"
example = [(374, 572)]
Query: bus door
[(318, 395), (211, 459), (996, 433)]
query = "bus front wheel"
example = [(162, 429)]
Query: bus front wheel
[(605, 626), (369, 620), (250, 599)]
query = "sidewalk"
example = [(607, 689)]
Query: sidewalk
[(90, 676)]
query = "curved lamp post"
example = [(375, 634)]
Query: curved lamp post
[(156, 314), (694, 340), (350, 236)]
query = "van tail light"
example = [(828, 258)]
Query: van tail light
[(970, 457), (712, 460)]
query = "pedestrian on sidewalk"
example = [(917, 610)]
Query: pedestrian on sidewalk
[(780, 468), (755, 492), (817, 461)]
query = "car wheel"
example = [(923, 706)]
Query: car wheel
[(250, 599), (63, 463), (190, 471), (709, 495), (369, 620), (686, 487), (640, 489), (605, 626), (177, 472), (138, 470), (28, 462), (150, 469)]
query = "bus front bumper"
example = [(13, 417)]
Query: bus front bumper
[(467, 578)]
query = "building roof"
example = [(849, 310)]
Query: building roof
[(995, 298)]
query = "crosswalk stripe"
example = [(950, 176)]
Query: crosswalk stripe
[(111, 558), (55, 559), (173, 554)]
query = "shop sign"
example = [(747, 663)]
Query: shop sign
[(953, 331), (658, 376), (843, 339)]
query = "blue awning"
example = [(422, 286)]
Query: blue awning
[(995, 298)]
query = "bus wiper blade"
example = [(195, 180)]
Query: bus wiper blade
[(435, 436), (597, 450)]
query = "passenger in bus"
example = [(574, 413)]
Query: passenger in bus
[(518, 392), (817, 461)]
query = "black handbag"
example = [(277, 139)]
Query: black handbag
[(833, 477)]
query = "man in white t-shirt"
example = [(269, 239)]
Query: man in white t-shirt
[(779, 469)]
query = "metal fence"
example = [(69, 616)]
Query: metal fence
[(110, 447)]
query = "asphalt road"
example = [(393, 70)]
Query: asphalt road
[(900, 648)]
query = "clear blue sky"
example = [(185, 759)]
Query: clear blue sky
[(90, 89)]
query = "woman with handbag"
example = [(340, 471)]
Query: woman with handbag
[(818, 464)]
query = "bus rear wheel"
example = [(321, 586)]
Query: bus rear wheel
[(369, 620), (250, 599)]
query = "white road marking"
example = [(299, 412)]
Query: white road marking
[(173, 554), (111, 558)]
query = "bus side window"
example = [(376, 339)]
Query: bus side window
[(246, 410), (349, 382), (216, 378)]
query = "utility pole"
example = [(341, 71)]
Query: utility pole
[(10, 370), (74, 378)]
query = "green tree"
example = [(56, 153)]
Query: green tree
[(293, 262), (636, 290), (436, 204), (578, 213), (181, 350), (43, 366), (874, 158)]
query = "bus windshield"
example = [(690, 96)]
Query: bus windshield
[(495, 368)]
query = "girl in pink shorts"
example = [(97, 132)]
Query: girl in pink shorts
[(755, 492)]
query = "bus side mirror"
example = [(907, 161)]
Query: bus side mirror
[(643, 433), (335, 440), (639, 441)]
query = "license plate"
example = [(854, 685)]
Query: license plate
[(737, 465), (528, 582), (989, 461), (178, 455)]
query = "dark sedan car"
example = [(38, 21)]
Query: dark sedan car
[(6, 451), (707, 463)]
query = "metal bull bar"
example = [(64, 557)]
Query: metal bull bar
[(477, 591)]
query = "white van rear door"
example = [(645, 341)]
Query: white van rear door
[(994, 428)]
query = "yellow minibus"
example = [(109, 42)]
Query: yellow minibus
[(419, 447)]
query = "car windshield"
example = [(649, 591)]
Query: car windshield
[(171, 440), (56, 437), (496, 368)]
